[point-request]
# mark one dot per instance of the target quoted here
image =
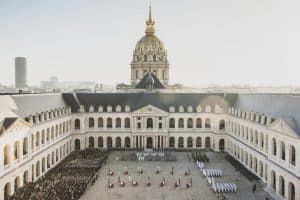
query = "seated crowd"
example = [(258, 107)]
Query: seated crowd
[(68, 180)]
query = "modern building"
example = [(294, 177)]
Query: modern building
[(20, 72), (262, 131)]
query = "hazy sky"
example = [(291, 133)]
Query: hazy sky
[(208, 41)]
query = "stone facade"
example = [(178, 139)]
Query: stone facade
[(149, 54)]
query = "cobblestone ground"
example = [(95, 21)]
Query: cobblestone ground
[(200, 189)]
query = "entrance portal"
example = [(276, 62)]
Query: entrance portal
[(149, 143)]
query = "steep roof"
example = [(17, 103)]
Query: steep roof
[(138, 100), (143, 82), (284, 106), (30, 104)]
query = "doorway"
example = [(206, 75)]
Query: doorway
[(149, 143)]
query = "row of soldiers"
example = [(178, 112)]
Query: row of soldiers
[(68, 180)]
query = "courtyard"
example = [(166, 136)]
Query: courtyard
[(200, 189)]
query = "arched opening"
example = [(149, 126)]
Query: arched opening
[(52, 133), (222, 124), (292, 155), (198, 142), (127, 142), (149, 123), (17, 183), (154, 58), (48, 161), (53, 158), (25, 146), (281, 186), (255, 165), (261, 169), (261, 140), (149, 142), (282, 150), (118, 142), (190, 142), (43, 137), (145, 58), (127, 122), (6, 153), (199, 123), (109, 122), (190, 123), (7, 191), (48, 135), (274, 147), (207, 123), (100, 122), (180, 142), (109, 142), (118, 122), (91, 122), (273, 180), (171, 142), (17, 150), (56, 130), (291, 188), (91, 142), (77, 124), (207, 142), (43, 165), (25, 177), (37, 139), (100, 142), (250, 161), (77, 144), (171, 123), (246, 158), (256, 137), (180, 123), (37, 167), (251, 136), (221, 144), (56, 155)]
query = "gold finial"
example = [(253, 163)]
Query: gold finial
[(150, 24), (150, 17)]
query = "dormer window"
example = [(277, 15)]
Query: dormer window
[(109, 109), (91, 109), (127, 108), (172, 109), (118, 108), (181, 109), (208, 108), (199, 108)]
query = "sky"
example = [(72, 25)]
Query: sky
[(222, 42)]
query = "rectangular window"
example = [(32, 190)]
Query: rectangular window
[(160, 125)]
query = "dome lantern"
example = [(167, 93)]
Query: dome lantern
[(150, 24)]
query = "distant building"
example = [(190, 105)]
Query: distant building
[(20, 72)]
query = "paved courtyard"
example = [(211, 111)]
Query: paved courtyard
[(200, 189)]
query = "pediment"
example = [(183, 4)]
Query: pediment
[(281, 126), (16, 126), (150, 109)]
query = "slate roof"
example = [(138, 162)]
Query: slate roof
[(30, 104), (8, 122), (143, 82), (284, 106), (139, 100)]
